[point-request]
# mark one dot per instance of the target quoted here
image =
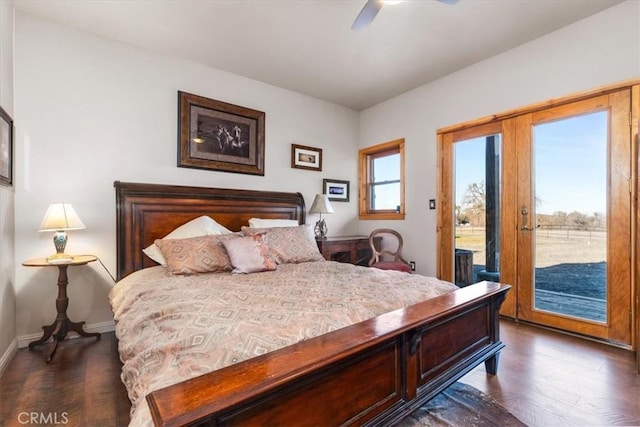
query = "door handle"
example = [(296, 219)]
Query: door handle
[(525, 220)]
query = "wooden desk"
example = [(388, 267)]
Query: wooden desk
[(62, 324), (349, 249)]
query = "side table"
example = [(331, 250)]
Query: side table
[(59, 328), (349, 249)]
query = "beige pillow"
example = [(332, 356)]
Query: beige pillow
[(289, 245), (201, 226), (249, 254), (202, 254), (268, 223)]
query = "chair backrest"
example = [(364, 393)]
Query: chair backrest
[(387, 247)]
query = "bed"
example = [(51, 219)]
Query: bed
[(372, 372)]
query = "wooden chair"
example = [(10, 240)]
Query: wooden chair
[(389, 257)]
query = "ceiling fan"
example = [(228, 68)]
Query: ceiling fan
[(371, 9)]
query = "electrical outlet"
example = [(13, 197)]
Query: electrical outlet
[(412, 264)]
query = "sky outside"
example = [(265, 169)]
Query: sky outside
[(387, 168), (570, 158)]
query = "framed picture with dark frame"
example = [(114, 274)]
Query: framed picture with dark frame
[(303, 157), (6, 148), (219, 136), (337, 190)]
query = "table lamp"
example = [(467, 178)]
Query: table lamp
[(59, 218), (321, 205)]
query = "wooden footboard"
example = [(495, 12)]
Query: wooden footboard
[(372, 373)]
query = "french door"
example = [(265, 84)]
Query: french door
[(574, 219), (552, 214)]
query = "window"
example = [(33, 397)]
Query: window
[(381, 181)]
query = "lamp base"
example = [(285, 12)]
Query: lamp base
[(60, 242), (321, 229)]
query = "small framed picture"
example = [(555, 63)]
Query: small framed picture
[(338, 191), (306, 157), (6, 148)]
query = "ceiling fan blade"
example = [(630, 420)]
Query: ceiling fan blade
[(366, 15)]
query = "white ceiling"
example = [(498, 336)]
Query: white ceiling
[(308, 45)]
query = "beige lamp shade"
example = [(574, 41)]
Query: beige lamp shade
[(61, 216), (321, 205)]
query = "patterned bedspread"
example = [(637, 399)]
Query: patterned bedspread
[(171, 328)]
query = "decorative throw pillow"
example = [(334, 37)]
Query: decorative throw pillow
[(268, 223), (249, 254), (201, 226), (202, 254), (289, 245)]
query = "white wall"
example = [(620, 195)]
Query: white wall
[(93, 110), (7, 269), (599, 50)]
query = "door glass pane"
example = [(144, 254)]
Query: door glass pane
[(570, 181), (477, 210)]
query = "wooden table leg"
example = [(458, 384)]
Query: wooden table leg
[(48, 331), (62, 324), (77, 328)]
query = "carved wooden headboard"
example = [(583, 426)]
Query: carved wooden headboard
[(145, 212)]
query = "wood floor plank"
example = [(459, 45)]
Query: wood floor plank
[(99, 400), (545, 378), (81, 386)]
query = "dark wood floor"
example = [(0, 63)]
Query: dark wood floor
[(550, 379), (81, 385), (545, 379)]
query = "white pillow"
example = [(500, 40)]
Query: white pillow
[(269, 223), (201, 226)]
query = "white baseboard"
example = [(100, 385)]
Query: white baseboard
[(7, 356), (101, 327)]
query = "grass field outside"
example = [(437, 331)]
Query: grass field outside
[(567, 262)]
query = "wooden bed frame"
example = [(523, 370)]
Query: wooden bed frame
[(372, 373)]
